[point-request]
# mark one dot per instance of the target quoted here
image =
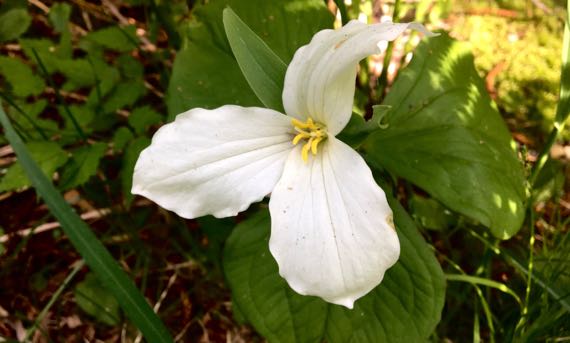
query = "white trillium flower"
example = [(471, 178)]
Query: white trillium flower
[(331, 227)]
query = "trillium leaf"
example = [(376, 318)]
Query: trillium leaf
[(405, 307), (196, 81), (445, 135), (262, 68), (265, 300)]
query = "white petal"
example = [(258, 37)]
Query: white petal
[(320, 80), (214, 161), (331, 227)]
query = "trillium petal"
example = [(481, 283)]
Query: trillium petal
[(214, 161), (320, 79), (331, 227)]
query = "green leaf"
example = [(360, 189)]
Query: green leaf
[(59, 16), (430, 214), (27, 118), (445, 135), (405, 307), (121, 137), (142, 118), (131, 68), (196, 80), (78, 73), (84, 115), (20, 77), (117, 38), (48, 155), (94, 299), (125, 94), (84, 240), (262, 68), (82, 165), (14, 23), (275, 310), (45, 49)]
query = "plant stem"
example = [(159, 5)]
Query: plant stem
[(383, 79), (342, 8), (25, 115), (53, 299), (563, 108), (545, 153)]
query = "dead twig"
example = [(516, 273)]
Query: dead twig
[(147, 45), (95, 214)]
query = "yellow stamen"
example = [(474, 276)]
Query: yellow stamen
[(313, 132), (314, 144), (305, 150), (300, 136)]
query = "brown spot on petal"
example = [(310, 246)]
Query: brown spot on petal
[(390, 221), (340, 43)]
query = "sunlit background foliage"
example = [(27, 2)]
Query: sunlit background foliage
[(87, 83)]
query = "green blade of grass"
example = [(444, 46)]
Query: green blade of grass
[(484, 282), (53, 299), (84, 240), (541, 281), (563, 107)]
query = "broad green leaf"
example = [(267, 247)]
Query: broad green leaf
[(263, 297), (84, 240), (430, 214), (92, 297), (82, 166), (445, 135), (48, 155), (284, 25), (262, 68), (20, 77), (405, 307), (142, 117), (196, 80), (14, 23)]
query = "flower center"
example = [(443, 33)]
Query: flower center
[(312, 132)]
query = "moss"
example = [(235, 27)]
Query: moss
[(526, 54)]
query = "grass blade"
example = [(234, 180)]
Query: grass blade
[(484, 282), (84, 240)]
